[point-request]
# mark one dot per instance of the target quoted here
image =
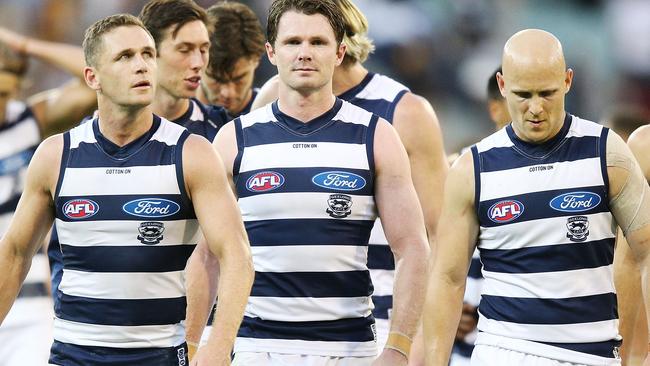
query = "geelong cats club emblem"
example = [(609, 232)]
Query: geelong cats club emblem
[(578, 228), (151, 232), (339, 206)]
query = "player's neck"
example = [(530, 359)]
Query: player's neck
[(168, 106), (123, 125), (347, 77), (305, 106)]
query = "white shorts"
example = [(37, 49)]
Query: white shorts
[(26, 333), (280, 359), (485, 355)]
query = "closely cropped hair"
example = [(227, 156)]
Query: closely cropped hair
[(326, 8), (493, 92), (12, 62), (236, 33), (93, 37), (358, 45), (158, 15)]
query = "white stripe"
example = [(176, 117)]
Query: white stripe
[(535, 233), (495, 140), (550, 285), (310, 258), (327, 154), (39, 272), (305, 309), (377, 235), (123, 286), (122, 233), (558, 333), (581, 127), (381, 87), (350, 113), (19, 137), (568, 174), (473, 289), (168, 132), (143, 336), (197, 114), (259, 115), (295, 346), (142, 180), (275, 206), (82, 133), (554, 355), (382, 281)]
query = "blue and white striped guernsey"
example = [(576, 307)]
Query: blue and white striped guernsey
[(19, 138), (126, 228), (546, 242), (306, 193), (379, 94)]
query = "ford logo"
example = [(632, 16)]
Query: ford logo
[(151, 207), (339, 181), (575, 201)]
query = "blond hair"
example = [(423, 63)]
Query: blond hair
[(359, 46)]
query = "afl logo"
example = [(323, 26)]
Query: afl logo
[(80, 209), (264, 181), (505, 211), (340, 181), (151, 207), (575, 201)]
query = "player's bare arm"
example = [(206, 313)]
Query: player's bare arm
[(227, 241), (455, 242), (403, 223)]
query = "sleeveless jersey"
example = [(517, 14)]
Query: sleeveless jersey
[(546, 242), (126, 229), (379, 94), (199, 119), (19, 138), (306, 193)]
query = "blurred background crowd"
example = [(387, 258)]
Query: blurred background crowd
[(444, 50)]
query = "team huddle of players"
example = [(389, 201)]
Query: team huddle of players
[(319, 211)]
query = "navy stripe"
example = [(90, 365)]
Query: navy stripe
[(110, 207), (573, 310), (572, 149), (65, 160), (602, 349), (370, 146), (301, 180), (312, 284), (16, 162), (390, 114), (75, 355), (305, 128), (537, 205), (382, 305), (308, 232), (239, 136), (162, 311), (463, 349), (342, 330), (351, 93), (152, 153), (380, 257), (56, 262), (475, 266), (477, 177), (602, 147), (550, 258), (10, 205), (145, 258), (274, 133)]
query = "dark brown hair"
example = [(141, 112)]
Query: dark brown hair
[(236, 33), (159, 15), (326, 8), (93, 37)]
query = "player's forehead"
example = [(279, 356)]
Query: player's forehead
[(192, 33), (124, 38), (294, 24)]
